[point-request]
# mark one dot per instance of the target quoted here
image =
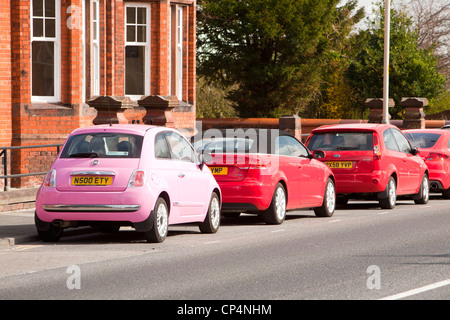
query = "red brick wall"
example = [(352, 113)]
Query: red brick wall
[(5, 74), (25, 123)]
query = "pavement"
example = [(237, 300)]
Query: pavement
[(17, 208), (17, 227)]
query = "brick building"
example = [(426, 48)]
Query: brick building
[(58, 56)]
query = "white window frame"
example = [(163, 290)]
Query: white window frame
[(96, 48), (147, 45), (57, 55), (176, 52), (179, 63)]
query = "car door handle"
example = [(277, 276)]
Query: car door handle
[(181, 175)]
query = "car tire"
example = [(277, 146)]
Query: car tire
[(446, 193), (212, 220), (51, 235), (329, 201), (158, 232), (391, 199), (276, 213), (424, 192)]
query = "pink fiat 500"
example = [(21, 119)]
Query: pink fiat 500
[(142, 176)]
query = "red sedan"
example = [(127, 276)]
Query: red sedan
[(267, 172), (372, 160), (434, 147)]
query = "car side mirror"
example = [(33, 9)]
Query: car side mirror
[(318, 154), (204, 158), (415, 151)]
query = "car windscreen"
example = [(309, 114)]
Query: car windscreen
[(422, 139), (334, 141), (103, 145), (224, 145)]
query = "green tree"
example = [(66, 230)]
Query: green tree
[(413, 71), (338, 97), (211, 102), (271, 51)]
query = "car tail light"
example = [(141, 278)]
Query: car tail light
[(137, 179), (254, 164), (50, 178), (436, 157), (376, 147)]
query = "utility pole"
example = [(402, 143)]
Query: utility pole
[(387, 25)]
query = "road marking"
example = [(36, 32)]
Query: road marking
[(336, 220), (211, 242), (26, 247), (279, 230), (418, 290), (386, 212)]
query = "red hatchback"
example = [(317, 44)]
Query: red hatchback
[(434, 147), (267, 172), (372, 160)]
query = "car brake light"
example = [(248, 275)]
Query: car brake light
[(50, 179), (436, 157), (258, 164), (376, 148), (137, 179)]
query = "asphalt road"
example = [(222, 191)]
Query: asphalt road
[(361, 253)]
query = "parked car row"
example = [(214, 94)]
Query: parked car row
[(150, 177)]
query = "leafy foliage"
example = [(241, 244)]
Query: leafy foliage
[(268, 58), (272, 50), (412, 70)]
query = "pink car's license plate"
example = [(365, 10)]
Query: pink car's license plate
[(91, 181)]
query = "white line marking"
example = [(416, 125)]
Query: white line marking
[(279, 230), (211, 242), (336, 220), (418, 290), (386, 212)]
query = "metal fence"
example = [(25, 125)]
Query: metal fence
[(4, 155)]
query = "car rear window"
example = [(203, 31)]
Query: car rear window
[(103, 145), (333, 141), (423, 140), (224, 145)]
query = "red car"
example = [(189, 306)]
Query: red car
[(372, 160), (267, 172), (434, 147)]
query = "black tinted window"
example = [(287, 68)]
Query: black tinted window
[(423, 140), (103, 145), (333, 141), (224, 145)]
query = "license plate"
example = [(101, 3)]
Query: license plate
[(339, 164), (91, 181), (219, 171)]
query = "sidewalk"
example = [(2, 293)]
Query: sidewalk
[(17, 227)]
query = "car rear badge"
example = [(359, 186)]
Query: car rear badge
[(95, 162), (336, 155)]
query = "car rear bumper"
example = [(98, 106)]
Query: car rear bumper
[(360, 183), (246, 196), (91, 207), (128, 206)]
